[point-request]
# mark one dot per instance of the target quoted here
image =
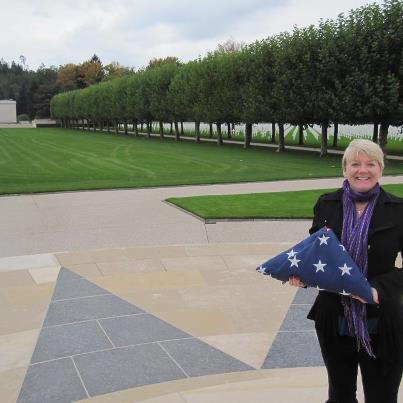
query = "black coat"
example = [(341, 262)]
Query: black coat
[(385, 241)]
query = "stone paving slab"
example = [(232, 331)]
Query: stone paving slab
[(294, 349), (305, 296), (67, 340), (81, 309), (296, 320), (76, 289), (128, 367), (139, 329), (52, 382), (296, 343), (197, 358)]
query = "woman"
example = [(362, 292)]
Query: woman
[(351, 333)]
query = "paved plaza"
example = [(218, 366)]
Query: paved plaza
[(116, 296)]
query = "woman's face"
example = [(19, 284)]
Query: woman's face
[(362, 172)]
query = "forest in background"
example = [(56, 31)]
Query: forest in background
[(33, 90)]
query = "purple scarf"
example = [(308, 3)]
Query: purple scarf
[(354, 237)]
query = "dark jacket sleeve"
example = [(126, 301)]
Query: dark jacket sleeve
[(390, 291), (390, 284), (390, 287)]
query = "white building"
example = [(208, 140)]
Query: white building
[(8, 111)]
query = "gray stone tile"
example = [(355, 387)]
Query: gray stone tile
[(69, 311), (198, 358), (295, 319), (62, 341), (66, 275), (139, 329), (305, 296), (52, 382), (76, 289), (294, 349), (124, 368)]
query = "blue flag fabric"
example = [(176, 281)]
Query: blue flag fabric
[(320, 261)]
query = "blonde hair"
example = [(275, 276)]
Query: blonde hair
[(368, 147)]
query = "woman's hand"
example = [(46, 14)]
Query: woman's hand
[(375, 297), (296, 282)]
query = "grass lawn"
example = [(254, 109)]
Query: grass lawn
[(53, 159), (297, 204)]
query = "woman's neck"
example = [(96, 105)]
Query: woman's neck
[(360, 207)]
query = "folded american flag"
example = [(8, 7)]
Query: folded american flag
[(320, 261)]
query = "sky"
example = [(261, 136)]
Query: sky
[(132, 32)]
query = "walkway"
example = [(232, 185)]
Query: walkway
[(47, 223)]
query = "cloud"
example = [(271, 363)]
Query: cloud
[(134, 31)]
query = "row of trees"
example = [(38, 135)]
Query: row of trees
[(33, 90), (347, 70)]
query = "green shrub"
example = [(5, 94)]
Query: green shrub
[(23, 117)]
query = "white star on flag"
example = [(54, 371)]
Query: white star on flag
[(320, 266), (294, 261), (345, 270), (291, 253), (345, 293), (323, 239), (261, 269), (342, 247)]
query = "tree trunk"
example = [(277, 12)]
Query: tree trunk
[(211, 130), (229, 130), (281, 146), (248, 135), (125, 126), (375, 133), (149, 129), (116, 126), (177, 134), (88, 124), (383, 136), (301, 134), (335, 134), (219, 135), (323, 143), (161, 129), (197, 131), (171, 130), (135, 128), (108, 127), (273, 132), (182, 128)]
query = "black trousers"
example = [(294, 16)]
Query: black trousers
[(342, 360)]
